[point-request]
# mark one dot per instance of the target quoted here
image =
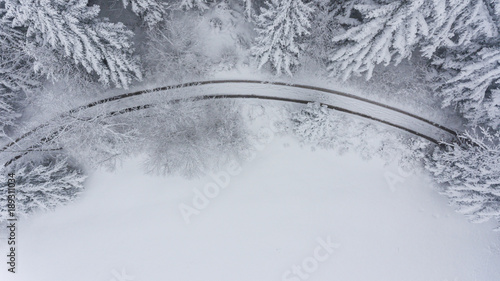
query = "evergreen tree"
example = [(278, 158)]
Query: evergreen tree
[(7, 112), (15, 65), (42, 186), (470, 173), (474, 83), (458, 23), (248, 8), (150, 11), (190, 4), (16, 73), (389, 32), (329, 17), (468, 63), (281, 26), (316, 124), (71, 29)]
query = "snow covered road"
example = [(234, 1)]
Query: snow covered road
[(255, 89), (300, 94)]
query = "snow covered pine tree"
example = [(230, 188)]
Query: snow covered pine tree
[(42, 186), (388, 32), (470, 172), (280, 28), (472, 60), (16, 72), (248, 9), (190, 4), (150, 11), (457, 23), (315, 124), (7, 112), (15, 65), (392, 30), (72, 29), (474, 86)]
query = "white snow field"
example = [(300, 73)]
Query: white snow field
[(291, 213)]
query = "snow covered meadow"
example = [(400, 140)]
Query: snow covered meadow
[(263, 224), (250, 140)]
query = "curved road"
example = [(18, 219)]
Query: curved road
[(254, 89)]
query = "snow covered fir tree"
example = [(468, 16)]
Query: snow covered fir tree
[(281, 26), (66, 67), (42, 185), (470, 169)]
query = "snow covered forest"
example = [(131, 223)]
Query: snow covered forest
[(60, 54)]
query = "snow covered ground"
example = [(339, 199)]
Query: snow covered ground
[(290, 213)]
